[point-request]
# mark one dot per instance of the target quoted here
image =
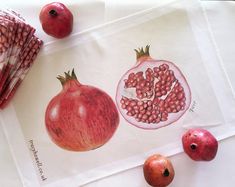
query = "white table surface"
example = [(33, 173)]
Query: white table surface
[(217, 173)]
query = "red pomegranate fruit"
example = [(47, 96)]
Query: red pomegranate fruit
[(199, 144), (152, 94), (80, 117), (158, 171), (56, 20)]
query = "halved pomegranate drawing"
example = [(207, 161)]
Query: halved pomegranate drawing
[(152, 94)]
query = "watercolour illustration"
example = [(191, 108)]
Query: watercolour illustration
[(80, 117), (152, 94)]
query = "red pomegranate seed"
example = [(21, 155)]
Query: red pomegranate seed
[(145, 116), (148, 113), (123, 106), (131, 75), (178, 107)]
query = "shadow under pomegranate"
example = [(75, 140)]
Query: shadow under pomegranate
[(152, 94)]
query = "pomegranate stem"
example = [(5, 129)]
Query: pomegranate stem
[(193, 146), (68, 76), (166, 173), (53, 12), (142, 52)]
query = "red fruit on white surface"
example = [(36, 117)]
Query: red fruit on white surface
[(199, 144), (158, 171), (80, 117), (56, 20), (152, 94)]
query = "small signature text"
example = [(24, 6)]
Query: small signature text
[(193, 106), (38, 163)]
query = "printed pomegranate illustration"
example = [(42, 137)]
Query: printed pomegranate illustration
[(80, 117), (152, 94)]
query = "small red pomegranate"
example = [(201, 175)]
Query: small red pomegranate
[(56, 20), (158, 171), (152, 94), (80, 117), (199, 144)]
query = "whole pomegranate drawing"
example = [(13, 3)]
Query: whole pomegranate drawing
[(80, 117), (152, 94)]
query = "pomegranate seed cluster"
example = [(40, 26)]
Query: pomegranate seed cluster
[(158, 94)]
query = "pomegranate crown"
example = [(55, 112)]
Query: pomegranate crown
[(142, 52), (68, 76)]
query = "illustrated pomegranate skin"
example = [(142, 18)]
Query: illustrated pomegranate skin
[(199, 144), (158, 171), (56, 20), (80, 117), (152, 94)]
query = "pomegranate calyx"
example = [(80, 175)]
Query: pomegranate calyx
[(166, 173), (193, 146), (53, 13), (141, 52), (67, 77)]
